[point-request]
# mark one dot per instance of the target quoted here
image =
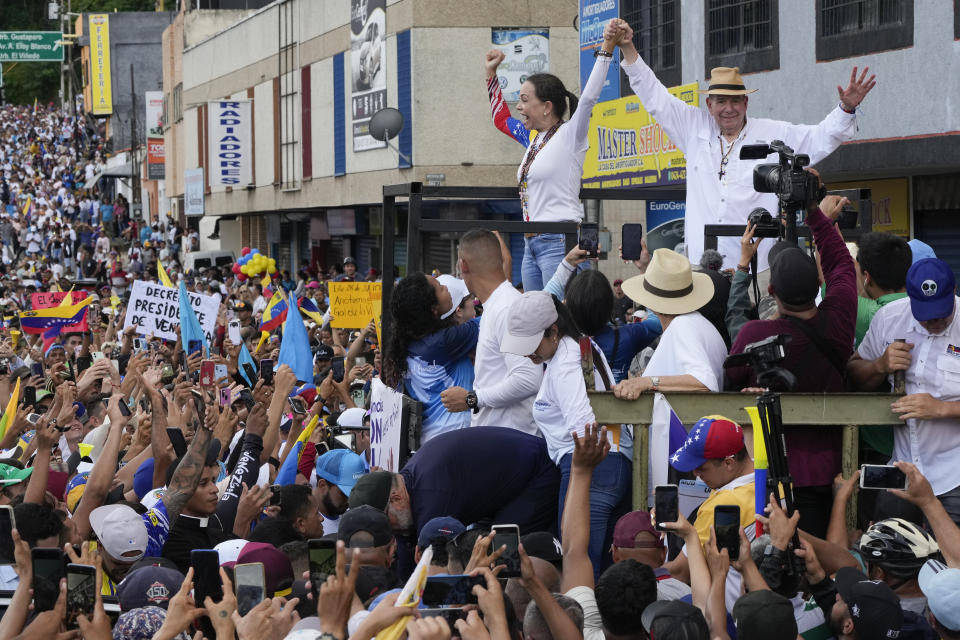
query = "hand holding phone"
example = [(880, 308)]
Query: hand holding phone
[(882, 476), (589, 239), (49, 568), (266, 371), (323, 562), (7, 525), (667, 502), (249, 586), (631, 241), (81, 593), (509, 535), (726, 522)]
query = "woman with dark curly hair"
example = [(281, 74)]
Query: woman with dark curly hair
[(427, 353)]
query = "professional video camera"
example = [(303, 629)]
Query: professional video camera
[(763, 356), (765, 225), (786, 178)]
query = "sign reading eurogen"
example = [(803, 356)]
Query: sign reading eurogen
[(230, 161)]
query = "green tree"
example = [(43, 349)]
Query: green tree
[(25, 81)]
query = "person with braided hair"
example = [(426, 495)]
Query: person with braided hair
[(428, 352)]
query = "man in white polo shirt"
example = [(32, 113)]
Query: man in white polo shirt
[(926, 322), (505, 385)]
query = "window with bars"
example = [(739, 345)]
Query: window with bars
[(956, 19), (656, 35), (847, 28), (742, 33), (289, 99)]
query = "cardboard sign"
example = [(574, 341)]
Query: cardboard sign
[(49, 299), (386, 416), (352, 303), (155, 309)]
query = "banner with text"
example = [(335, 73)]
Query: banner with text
[(156, 170), (665, 224), (155, 310), (628, 147), (594, 16), (368, 71), (49, 299), (101, 90), (527, 52), (352, 303), (193, 192), (386, 420), (231, 158)]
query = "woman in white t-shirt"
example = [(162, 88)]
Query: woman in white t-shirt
[(542, 329), (549, 174)]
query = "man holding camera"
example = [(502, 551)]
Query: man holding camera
[(720, 184), (821, 342)]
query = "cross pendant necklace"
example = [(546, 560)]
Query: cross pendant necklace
[(725, 156)]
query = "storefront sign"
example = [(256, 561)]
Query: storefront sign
[(231, 160)]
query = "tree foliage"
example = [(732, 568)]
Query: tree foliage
[(25, 81)]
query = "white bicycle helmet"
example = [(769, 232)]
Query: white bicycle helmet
[(897, 546)]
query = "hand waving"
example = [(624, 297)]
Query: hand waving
[(857, 90)]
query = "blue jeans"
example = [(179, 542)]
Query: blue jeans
[(610, 498), (541, 257)]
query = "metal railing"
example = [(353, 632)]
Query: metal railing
[(845, 411)]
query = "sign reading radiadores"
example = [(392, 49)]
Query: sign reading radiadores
[(31, 46)]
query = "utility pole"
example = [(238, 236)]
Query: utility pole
[(69, 52), (134, 146)]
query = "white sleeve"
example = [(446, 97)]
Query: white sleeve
[(570, 390), (695, 359), (588, 97), (872, 346), (820, 140), (521, 380), (679, 119)]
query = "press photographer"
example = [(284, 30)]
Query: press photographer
[(821, 340)]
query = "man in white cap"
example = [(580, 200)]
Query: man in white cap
[(719, 184)]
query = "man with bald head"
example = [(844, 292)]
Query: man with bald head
[(505, 385)]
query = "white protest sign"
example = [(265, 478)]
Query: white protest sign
[(155, 309), (386, 411)]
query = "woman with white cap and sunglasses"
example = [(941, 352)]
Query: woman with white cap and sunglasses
[(542, 329), (691, 351), (429, 349)]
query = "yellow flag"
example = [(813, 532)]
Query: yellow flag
[(164, 278), (11, 412), (409, 596)]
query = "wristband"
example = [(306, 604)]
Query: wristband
[(742, 268), (845, 110), (600, 53), (273, 461)]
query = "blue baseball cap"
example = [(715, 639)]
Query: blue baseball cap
[(711, 438), (931, 287), (442, 527), (921, 250), (342, 468)]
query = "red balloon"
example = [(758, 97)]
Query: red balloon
[(244, 251), (236, 267), (241, 277)]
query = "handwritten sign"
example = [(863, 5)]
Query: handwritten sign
[(352, 303), (386, 415), (155, 310), (48, 299)]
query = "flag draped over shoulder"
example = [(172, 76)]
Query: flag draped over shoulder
[(295, 348)]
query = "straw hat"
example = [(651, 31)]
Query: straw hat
[(669, 285), (726, 81)]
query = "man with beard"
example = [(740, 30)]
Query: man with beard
[(337, 473)]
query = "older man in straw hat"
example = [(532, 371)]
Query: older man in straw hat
[(719, 184), (691, 351)]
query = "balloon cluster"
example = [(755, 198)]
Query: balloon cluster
[(252, 263)]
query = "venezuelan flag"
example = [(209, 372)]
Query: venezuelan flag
[(275, 313), (309, 308), (62, 315)]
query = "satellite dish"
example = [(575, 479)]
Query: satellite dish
[(386, 124)]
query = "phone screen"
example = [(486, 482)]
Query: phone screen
[(323, 562), (6, 535), (266, 371), (590, 239), (81, 592), (206, 575), (451, 590), (337, 366), (509, 535), (124, 408), (177, 440), (250, 586), (726, 520), (48, 569), (36, 369), (193, 346), (29, 396), (666, 501), (876, 476), (631, 241), (298, 406)]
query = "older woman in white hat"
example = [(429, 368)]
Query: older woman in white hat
[(542, 329), (691, 351)]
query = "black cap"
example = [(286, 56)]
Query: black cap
[(349, 260), (873, 605), (149, 586), (762, 615), (324, 352), (674, 620), (793, 274), (542, 544), (367, 519), (372, 489)]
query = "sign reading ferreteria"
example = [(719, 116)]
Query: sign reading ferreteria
[(31, 46)]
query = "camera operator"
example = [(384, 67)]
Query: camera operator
[(821, 343), (719, 183)]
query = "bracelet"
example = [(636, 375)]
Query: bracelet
[(742, 268), (845, 110), (600, 53)]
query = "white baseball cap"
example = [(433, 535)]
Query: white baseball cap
[(120, 531), (458, 291), (352, 418), (229, 550), (530, 316)]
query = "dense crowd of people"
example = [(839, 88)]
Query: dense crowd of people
[(226, 486)]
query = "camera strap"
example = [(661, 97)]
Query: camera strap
[(817, 339)]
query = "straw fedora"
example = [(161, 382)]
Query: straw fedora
[(726, 81), (669, 285)]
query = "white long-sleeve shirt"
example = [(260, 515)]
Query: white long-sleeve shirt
[(728, 200), (505, 384)]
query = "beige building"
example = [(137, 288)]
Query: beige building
[(310, 195)]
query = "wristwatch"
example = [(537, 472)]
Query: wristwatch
[(472, 401), (655, 383)]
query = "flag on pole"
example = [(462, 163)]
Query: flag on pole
[(288, 472), (274, 314), (11, 411), (64, 314), (190, 329), (409, 596), (667, 434), (245, 358), (162, 273), (295, 347)]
